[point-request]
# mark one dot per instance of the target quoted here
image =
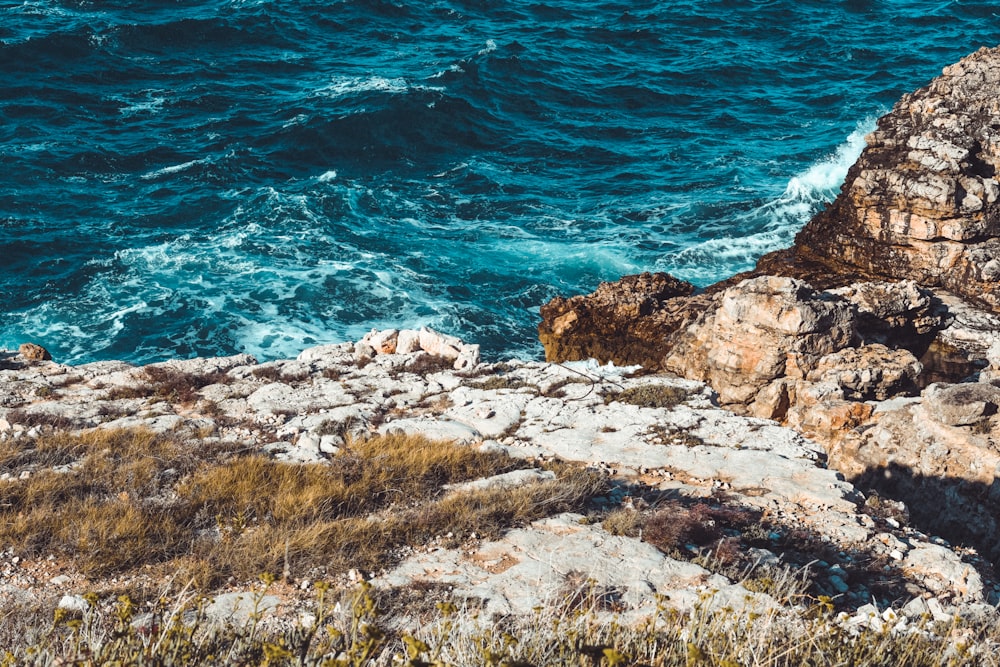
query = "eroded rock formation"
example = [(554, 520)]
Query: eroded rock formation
[(877, 333), (922, 200)]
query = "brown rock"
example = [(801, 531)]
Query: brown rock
[(961, 404), (898, 313), (33, 352), (872, 372), (923, 201), (763, 329), (830, 420), (627, 322), (947, 475)]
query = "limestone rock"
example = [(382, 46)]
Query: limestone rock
[(961, 404), (439, 344), (872, 372), (764, 328), (531, 566), (892, 313), (383, 342), (34, 352), (940, 454), (923, 200), (613, 324)]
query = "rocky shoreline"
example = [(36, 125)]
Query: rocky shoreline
[(877, 334), (660, 441), (830, 417)]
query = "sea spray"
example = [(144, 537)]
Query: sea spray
[(259, 176)]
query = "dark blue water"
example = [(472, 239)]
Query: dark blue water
[(181, 178)]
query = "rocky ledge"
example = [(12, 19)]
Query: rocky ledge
[(743, 502), (877, 334)]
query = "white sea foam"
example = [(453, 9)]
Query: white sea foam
[(166, 171), (298, 119), (327, 176), (776, 222), (151, 102), (344, 86)]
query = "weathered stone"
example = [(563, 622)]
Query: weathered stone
[(383, 342), (922, 200), (439, 344), (892, 313), (510, 479), (872, 372), (943, 572), (961, 404), (468, 358), (611, 324), (278, 397), (764, 329), (34, 352), (407, 341), (238, 608), (532, 566)]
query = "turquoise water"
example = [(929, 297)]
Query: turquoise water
[(229, 176)]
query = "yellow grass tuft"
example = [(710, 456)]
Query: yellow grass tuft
[(126, 499)]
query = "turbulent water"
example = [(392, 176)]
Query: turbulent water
[(204, 178)]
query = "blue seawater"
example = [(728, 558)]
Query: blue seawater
[(205, 178)]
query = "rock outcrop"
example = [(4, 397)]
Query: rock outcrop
[(877, 333), (658, 439), (623, 322), (921, 202)]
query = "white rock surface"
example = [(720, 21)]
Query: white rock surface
[(304, 410)]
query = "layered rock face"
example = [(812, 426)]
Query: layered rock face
[(857, 334), (922, 200)]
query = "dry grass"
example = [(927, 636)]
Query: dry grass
[(424, 363), (650, 396), (29, 419), (673, 526), (353, 630), (497, 382), (132, 499), (168, 384)]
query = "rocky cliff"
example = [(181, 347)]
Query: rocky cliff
[(877, 333), (921, 202), (688, 506)]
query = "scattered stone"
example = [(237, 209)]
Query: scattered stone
[(34, 352), (73, 603), (237, 608), (506, 480), (961, 404)]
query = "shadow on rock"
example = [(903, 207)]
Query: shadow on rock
[(958, 510)]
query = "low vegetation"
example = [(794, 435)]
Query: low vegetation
[(119, 501), (352, 631), (168, 384), (650, 396), (191, 508)]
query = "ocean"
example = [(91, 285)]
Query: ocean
[(185, 179)]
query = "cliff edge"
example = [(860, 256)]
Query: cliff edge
[(877, 334)]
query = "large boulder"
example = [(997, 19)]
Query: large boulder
[(627, 322), (763, 329)]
